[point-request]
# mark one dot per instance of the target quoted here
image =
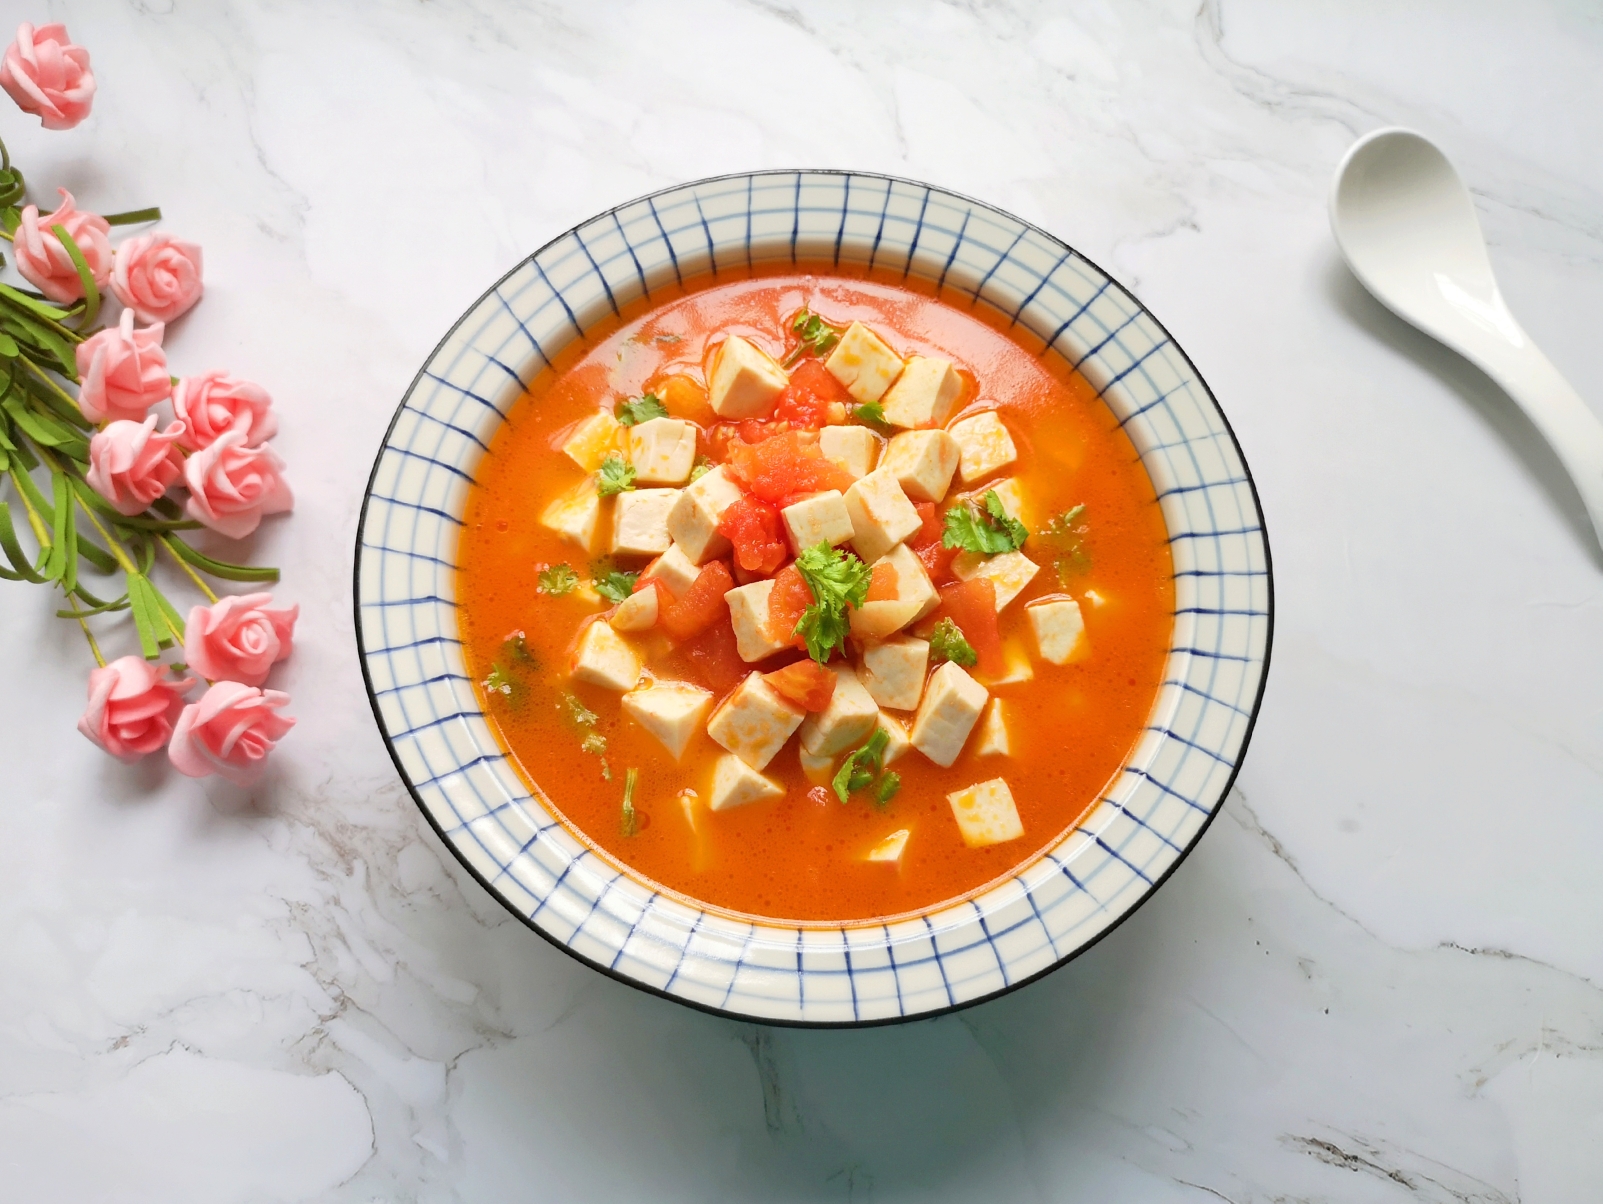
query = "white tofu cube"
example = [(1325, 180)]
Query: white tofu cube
[(951, 707), (893, 671), (1008, 492), (640, 521), (818, 769), (755, 721), (912, 579), (863, 363), (1016, 666), (672, 711), (693, 521), (881, 514), (986, 814), (637, 612), (734, 784), (897, 740), (748, 612), (674, 569), (745, 380), (890, 849), (923, 463), (854, 448), (1009, 572), (604, 658), (924, 393), (574, 514), (848, 720), (993, 740), (821, 518), (881, 619), (592, 441), (1059, 628), (983, 446), (662, 450)]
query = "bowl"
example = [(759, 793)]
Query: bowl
[(1051, 908)]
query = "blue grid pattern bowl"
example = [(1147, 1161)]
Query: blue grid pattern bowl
[(1050, 909)]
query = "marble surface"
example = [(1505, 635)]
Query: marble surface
[(1378, 978)]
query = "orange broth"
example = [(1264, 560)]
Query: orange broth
[(801, 857)]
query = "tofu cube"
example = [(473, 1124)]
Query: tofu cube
[(863, 363), (986, 814), (674, 569), (1059, 628), (897, 741), (693, 521), (881, 514), (637, 612), (604, 658), (672, 711), (1008, 492), (893, 671), (912, 580), (924, 394), (821, 518), (640, 522), (993, 740), (745, 380), (1010, 572), (915, 598), (848, 720), (592, 441), (890, 849), (951, 707), (574, 514), (734, 784), (854, 448), (923, 463), (818, 769), (983, 446), (755, 721), (663, 451), (881, 618), (748, 612)]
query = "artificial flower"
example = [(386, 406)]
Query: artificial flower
[(211, 403), (239, 638), (157, 276), (43, 259), (131, 464), (122, 372), (229, 732), (232, 486), (132, 706), (48, 76)]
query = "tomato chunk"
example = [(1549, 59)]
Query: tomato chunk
[(806, 400), (972, 606), (754, 527), (702, 606), (806, 683), (790, 598), (684, 397), (882, 583), (710, 660), (930, 526), (788, 465)]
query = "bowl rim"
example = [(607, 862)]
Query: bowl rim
[(731, 1013)]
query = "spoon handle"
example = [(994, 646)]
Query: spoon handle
[(1569, 427)]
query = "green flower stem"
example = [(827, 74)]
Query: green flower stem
[(41, 529), (94, 645), (132, 217), (91, 291), (200, 583), (124, 561)]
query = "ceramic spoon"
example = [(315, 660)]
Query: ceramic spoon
[(1407, 228)]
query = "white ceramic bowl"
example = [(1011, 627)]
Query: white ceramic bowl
[(1050, 909)]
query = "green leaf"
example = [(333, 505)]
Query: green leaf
[(578, 714), (557, 580), (132, 217), (146, 616), (947, 643), (701, 468), (617, 475), (219, 568), (838, 580), (21, 299), (636, 410), (96, 608), (516, 649), (22, 567), (872, 415), (613, 584), (1066, 533), (817, 336), (498, 682), (8, 347), (987, 531), (91, 291), (889, 783), (860, 768), (630, 823)]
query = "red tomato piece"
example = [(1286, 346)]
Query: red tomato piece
[(702, 606), (710, 660), (972, 606), (882, 583), (754, 527), (806, 683), (790, 597), (806, 400), (926, 544), (785, 466), (929, 530)]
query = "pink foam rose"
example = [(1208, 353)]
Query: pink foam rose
[(214, 402), (122, 372), (132, 706), (229, 732), (48, 76), (157, 276), (239, 638), (131, 464), (43, 260), (232, 487)]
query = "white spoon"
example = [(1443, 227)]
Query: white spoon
[(1407, 228)]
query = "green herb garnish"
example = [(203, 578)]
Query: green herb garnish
[(837, 580), (617, 475), (889, 783), (701, 468), (612, 584), (947, 643), (988, 530), (578, 714), (557, 580), (635, 410), (817, 336), (630, 824), (498, 682), (593, 742), (860, 769), (1066, 533), (871, 414)]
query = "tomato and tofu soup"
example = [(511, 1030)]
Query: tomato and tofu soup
[(814, 597)]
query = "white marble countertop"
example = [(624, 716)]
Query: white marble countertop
[(1376, 979)]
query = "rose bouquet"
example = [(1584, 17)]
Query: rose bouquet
[(95, 437)]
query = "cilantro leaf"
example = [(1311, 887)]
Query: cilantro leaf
[(889, 783), (593, 742), (612, 584), (498, 682), (1066, 532), (948, 643), (630, 824), (578, 714), (871, 414), (987, 531), (859, 770), (817, 336), (557, 580), (701, 468), (617, 475), (838, 580), (634, 410), (517, 649)]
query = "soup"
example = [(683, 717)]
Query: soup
[(813, 596)]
